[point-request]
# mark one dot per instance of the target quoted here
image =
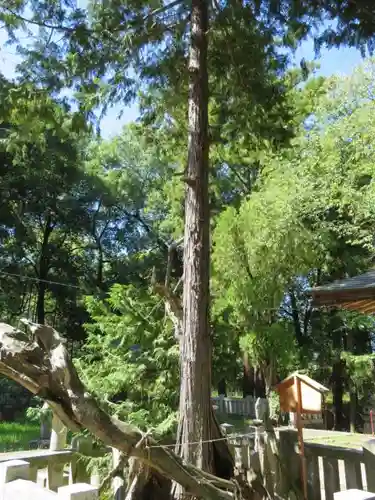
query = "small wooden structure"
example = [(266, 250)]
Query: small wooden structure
[(299, 394), (312, 393)]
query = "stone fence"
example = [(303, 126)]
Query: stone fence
[(235, 406), (17, 480)]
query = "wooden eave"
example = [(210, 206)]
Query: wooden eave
[(355, 294)]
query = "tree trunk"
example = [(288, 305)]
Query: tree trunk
[(40, 310), (43, 272), (338, 392), (222, 387), (195, 345), (296, 320), (248, 382), (352, 388), (99, 272), (260, 387), (353, 410)]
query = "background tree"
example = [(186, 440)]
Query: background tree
[(323, 234)]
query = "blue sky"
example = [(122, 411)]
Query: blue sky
[(341, 61)]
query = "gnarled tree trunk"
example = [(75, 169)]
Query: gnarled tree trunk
[(41, 363)]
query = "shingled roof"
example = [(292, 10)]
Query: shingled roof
[(356, 293)]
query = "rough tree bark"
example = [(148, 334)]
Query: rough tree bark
[(43, 271), (173, 305), (41, 363), (352, 388), (197, 422), (260, 388), (248, 383), (222, 387), (195, 345)]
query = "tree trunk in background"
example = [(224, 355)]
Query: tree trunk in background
[(222, 387), (43, 272), (195, 423), (338, 367), (338, 392), (99, 271), (353, 410), (296, 319), (40, 310), (248, 382), (352, 389), (260, 387)]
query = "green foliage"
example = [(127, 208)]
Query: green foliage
[(103, 51), (38, 411), (138, 177), (274, 405), (226, 353), (76, 216), (131, 358), (45, 194), (360, 370), (309, 217), (307, 201), (271, 348), (273, 344)]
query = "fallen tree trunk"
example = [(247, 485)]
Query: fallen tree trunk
[(41, 363)]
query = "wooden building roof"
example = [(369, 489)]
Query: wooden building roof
[(356, 294)]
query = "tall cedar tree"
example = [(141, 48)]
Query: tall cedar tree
[(195, 345)]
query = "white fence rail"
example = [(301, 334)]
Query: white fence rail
[(15, 483), (246, 407), (233, 406)]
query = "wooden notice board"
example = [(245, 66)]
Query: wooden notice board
[(299, 394)]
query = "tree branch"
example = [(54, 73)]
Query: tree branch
[(41, 24), (72, 29), (42, 364), (161, 243), (239, 177)]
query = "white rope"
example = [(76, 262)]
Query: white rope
[(229, 438)]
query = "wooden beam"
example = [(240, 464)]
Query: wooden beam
[(331, 297)]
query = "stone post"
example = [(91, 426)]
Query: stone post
[(78, 491), (45, 423), (118, 484), (57, 443)]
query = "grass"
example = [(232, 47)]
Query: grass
[(342, 440), (16, 436)]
